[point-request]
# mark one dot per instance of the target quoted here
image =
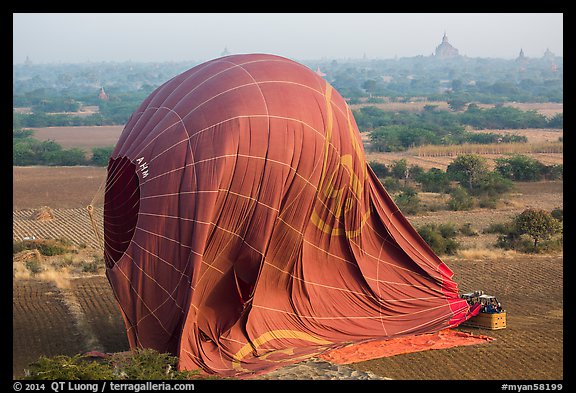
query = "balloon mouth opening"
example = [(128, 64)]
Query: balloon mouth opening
[(121, 206)]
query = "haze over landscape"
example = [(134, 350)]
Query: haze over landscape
[(163, 37)]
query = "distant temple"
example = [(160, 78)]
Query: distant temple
[(445, 50), (548, 55), (103, 96), (550, 58), (521, 57)]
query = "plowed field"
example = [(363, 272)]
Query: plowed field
[(51, 321), (531, 346)]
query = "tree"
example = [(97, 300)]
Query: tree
[(101, 155), (538, 224), (380, 169), (520, 167), (467, 169), (457, 104), (399, 169), (557, 121), (435, 180)]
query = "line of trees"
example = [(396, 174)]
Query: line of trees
[(117, 111), (27, 150), (398, 131)]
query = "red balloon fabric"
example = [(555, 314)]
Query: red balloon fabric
[(244, 229)]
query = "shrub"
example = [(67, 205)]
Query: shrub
[(33, 265), (51, 249), (380, 169), (440, 238), (141, 364), (558, 214), (460, 199), (408, 202), (45, 247), (90, 267), (66, 261), (435, 180), (391, 184), (488, 201), (145, 364), (520, 168), (502, 228), (71, 368), (492, 184), (553, 172), (101, 155), (447, 230), (466, 230)]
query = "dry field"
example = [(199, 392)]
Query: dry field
[(548, 109), (36, 186), (411, 106), (534, 135), (531, 346), (81, 137), (49, 319)]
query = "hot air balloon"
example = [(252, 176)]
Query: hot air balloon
[(244, 229)]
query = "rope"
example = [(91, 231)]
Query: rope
[(90, 209)]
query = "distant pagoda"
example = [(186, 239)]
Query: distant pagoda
[(445, 50), (548, 55), (103, 96), (521, 57)]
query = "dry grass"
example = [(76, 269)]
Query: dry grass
[(60, 278), (486, 253), (488, 148), (548, 109), (411, 106)]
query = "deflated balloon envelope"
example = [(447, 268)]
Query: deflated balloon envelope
[(244, 229)]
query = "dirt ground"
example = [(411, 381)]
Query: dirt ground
[(58, 187), (50, 318), (530, 348), (83, 137)]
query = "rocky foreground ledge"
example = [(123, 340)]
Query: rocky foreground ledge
[(316, 369)]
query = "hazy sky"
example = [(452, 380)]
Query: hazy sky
[(75, 38)]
